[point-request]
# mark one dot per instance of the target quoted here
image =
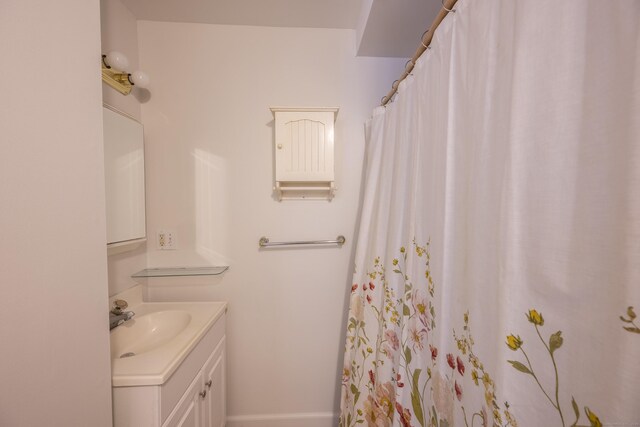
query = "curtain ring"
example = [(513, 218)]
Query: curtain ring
[(383, 101), (422, 38), (408, 69), (445, 8), (394, 85)]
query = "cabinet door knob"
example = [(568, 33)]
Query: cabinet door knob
[(203, 394), (208, 383)]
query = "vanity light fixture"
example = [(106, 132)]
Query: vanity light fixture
[(114, 65)]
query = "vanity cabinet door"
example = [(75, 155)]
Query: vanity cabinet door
[(124, 177), (190, 410), (214, 378)]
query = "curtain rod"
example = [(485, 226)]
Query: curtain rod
[(425, 41)]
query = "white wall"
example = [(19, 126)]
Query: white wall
[(54, 368), (210, 176), (120, 32)]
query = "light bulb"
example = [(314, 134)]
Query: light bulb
[(117, 60), (139, 79)]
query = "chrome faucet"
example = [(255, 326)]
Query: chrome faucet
[(117, 316)]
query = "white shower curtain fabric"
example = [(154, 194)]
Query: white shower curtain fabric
[(498, 255)]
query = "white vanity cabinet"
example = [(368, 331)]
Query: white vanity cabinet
[(193, 396), (203, 404)]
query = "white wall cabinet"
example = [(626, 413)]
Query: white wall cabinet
[(124, 178), (304, 152), (194, 396)]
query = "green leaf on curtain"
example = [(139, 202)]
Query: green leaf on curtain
[(395, 270), (416, 401), (349, 419), (632, 329), (519, 366), (555, 341), (576, 410), (417, 407), (416, 377), (405, 310), (407, 355), (356, 393)]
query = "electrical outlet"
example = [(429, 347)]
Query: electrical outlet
[(166, 240)]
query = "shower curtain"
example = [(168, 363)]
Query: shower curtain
[(498, 255)]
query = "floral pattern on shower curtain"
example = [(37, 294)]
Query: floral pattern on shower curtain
[(498, 253)]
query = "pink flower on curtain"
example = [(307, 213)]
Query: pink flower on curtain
[(356, 307), (458, 389), (460, 365), (417, 333), (434, 352), (372, 286), (392, 337), (405, 415), (421, 305), (451, 361), (442, 397), (379, 406)]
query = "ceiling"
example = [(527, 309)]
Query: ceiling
[(390, 28)]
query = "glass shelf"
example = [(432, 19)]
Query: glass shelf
[(181, 271)]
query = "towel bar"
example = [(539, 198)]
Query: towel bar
[(264, 242)]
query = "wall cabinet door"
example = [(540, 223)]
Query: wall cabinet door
[(214, 378), (304, 146), (124, 177), (190, 411)]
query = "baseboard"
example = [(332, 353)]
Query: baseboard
[(314, 419)]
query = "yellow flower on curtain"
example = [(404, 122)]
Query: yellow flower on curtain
[(593, 418), (514, 342), (535, 318)]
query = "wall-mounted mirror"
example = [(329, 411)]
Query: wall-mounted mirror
[(124, 181)]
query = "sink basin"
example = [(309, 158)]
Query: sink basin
[(147, 349), (147, 332)]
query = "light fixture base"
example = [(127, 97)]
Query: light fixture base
[(116, 79)]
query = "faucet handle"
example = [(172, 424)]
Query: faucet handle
[(119, 305)]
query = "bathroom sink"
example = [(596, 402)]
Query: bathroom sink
[(147, 349), (148, 332)]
